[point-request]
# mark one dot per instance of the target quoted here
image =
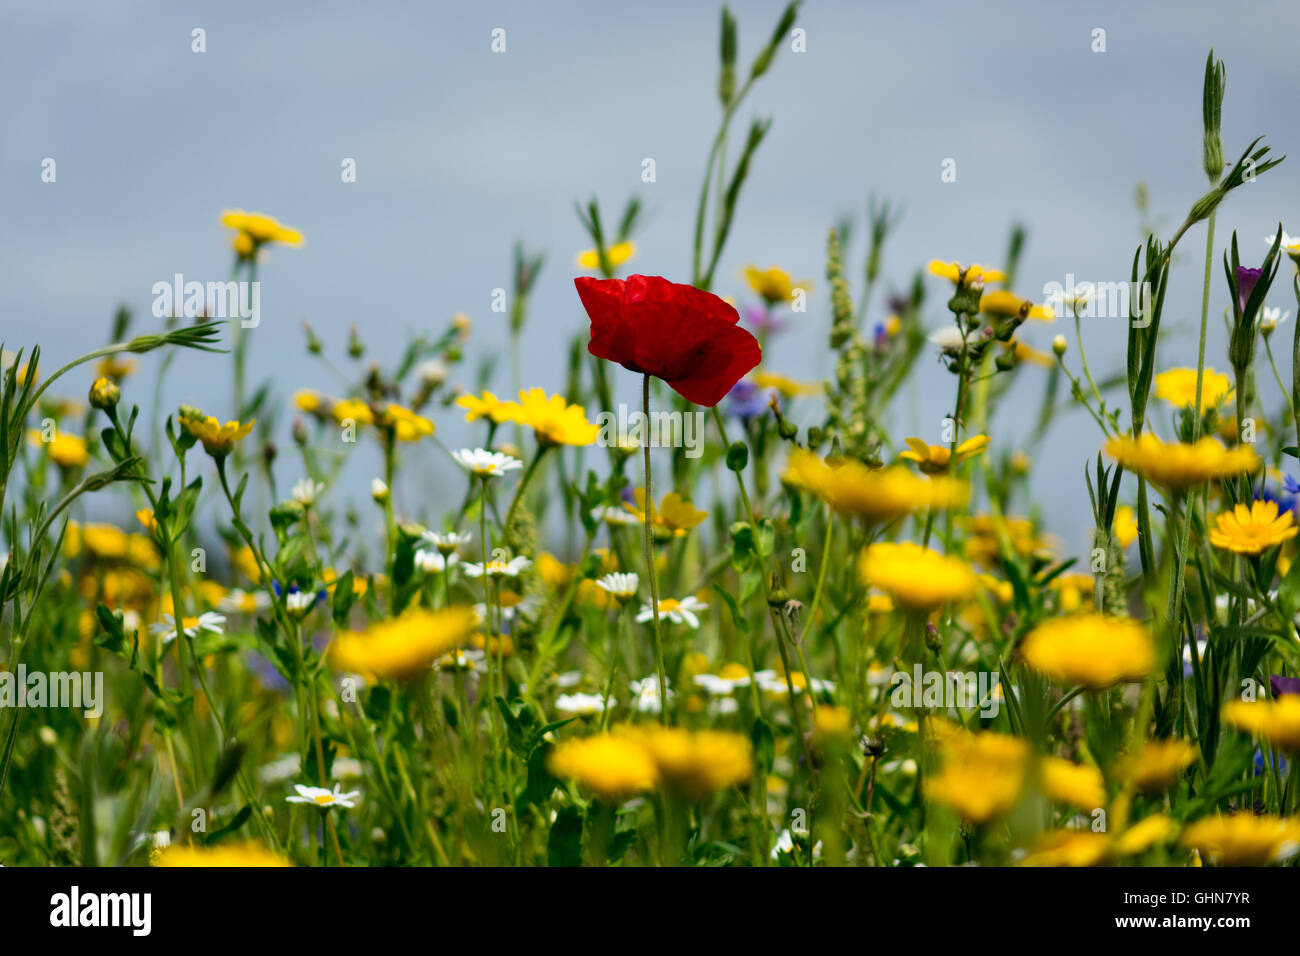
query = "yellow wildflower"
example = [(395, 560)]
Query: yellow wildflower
[(555, 421), (774, 285), (696, 763), (217, 439), (785, 387), (1125, 527), (1178, 387), (675, 515), (1091, 649), (616, 255), (612, 766), (981, 775), (404, 424), (1180, 465), (852, 488), (224, 854), (405, 646), (258, 229), (1079, 786), (1252, 529), (65, 450), (1158, 763), (1277, 721), (936, 459), (1244, 839), (1069, 848), (952, 272), (915, 577), (488, 406)]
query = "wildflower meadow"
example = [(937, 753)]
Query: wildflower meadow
[(743, 618)]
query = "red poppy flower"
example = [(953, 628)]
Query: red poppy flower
[(681, 334)]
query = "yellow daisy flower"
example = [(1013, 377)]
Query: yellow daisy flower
[(1178, 387), (257, 229), (1091, 649), (772, 284), (555, 421), (852, 488), (1178, 464), (915, 577), (1277, 722), (614, 767), (405, 424), (1008, 305), (1158, 763), (952, 272), (1244, 839), (617, 254), (1079, 786), (936, 459), (65, 450), (1253, 529), (217, 439), (405, 646), (224, 854), (488, 406), (675, 515)]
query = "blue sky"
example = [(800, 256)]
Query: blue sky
[(461, 151)]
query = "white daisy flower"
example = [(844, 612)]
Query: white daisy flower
[(785, 844), (1290, 244), (1272, 318), (582, 705), (617, 517), (239, 601), (346, 768), (466, 660), (527, 607), (486, 464), (622, 586), (646, 692), (300, 603), (716, 686), (679, 612), (433, 562), (278, 771), (209, 621), (306, 491), (499, 568), (320, 797), (447, 541)]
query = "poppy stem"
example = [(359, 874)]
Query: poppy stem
[(650, 560)]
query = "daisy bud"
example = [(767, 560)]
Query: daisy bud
[(1059, 345), (104, 394), (378, 491)]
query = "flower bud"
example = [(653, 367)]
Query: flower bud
[(104, 394), (1059, 345)]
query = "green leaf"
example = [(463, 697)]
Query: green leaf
[(564, 842), (737, 618)]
